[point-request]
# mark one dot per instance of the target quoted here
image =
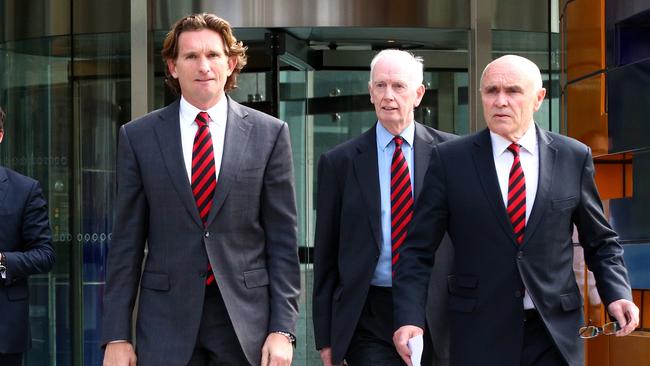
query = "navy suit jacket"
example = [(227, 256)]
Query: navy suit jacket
[(250, 237), (461, 194), (25, 240), (348, 240)]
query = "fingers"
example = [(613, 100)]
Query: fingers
[(277, 351), (402, 348), (401, 338), (626, 314), (326, 356), (630, 320), (265, 356), (119, 354)]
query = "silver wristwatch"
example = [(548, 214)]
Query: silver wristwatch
[(289, 336)]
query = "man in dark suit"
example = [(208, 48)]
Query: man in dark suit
[(362, 218), (207, 184), (509, 197), (25, 249)]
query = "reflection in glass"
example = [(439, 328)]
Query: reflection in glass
[(35, 93)]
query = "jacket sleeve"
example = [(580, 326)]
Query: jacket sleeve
[(326, 244), (425, 233), (37, 254), (126, 250), (603, 253), (278, 216)]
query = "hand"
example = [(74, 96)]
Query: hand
[(401, 338), (119, 354), (277, 351), (326, 356), (627, 315)]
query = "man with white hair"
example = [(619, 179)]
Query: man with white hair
[(366, 189)]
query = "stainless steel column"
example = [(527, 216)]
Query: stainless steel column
[(141, 59), (480, 54)]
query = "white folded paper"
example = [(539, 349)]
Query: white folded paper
[(416, 345)]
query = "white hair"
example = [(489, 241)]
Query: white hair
[(414, 63)]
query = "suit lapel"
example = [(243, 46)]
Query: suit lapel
[(422, 146), (367, 175), (547, 159), (238, 128), (485, 170), (168, 134), (4, 185)]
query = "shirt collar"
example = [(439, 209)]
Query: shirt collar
[(218, 112), (384, 137), (528, 141)]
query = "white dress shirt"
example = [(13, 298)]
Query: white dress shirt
[(529, 159), (217, 124)]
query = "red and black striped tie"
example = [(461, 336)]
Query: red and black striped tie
[(401, 199), (517, 195), (204, 180)]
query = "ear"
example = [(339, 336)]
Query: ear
[(370, 93), (539, 98), (2, 134), (419, 93), (171, 66), (232, 62)]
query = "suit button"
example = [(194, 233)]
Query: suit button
[(202, 273), (207, 234), (520, 254), (518, 293)]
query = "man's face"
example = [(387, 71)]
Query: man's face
[(394, 94), (201, 67), (509, 98)]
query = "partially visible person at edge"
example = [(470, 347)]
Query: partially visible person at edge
[(361, 222), (25, 249), (509, 197), (208, 185)]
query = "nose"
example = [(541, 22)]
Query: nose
[(388, 94), (501, 100), (204, 64)]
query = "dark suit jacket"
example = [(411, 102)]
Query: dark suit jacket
[(461, 195), (348, 238), (250, 240), (25, 239)]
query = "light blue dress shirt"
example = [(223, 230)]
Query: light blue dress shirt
[(385, 150)]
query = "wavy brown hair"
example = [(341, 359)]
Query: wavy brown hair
[(195, 22)]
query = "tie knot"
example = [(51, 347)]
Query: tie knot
[(514, 149), (202, 119), (398, 141)]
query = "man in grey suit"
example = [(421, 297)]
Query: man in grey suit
[(207, 184), (509, 197), (362, 219)]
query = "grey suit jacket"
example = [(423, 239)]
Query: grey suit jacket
[(250, 239), (461, 194), (348, 239)]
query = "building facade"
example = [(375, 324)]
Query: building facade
[(73, 71)]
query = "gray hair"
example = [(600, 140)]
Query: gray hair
[(414, 63)]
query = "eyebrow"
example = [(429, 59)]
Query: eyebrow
[(510, 88)]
